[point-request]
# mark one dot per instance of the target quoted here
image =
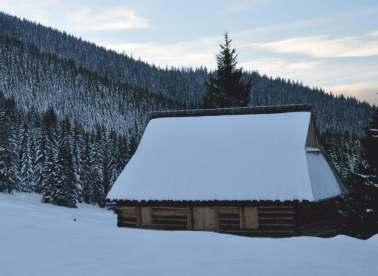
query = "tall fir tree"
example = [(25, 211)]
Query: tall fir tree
[(226, 88), (66, 193), (361, 205), (48, 156), (24, 167), (370, 150), (7, 172), (86, 176)]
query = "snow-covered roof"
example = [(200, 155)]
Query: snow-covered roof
[(227, 157)]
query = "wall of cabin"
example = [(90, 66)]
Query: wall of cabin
[(280, 220)]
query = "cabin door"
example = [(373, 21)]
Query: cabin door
[(204, 218)]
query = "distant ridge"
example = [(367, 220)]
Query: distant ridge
[(186, 86)]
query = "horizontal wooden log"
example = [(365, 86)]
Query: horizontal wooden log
[(169, 208), (260, 232), (283, 218), (276, 224), (126, 209), (262, 222), (229, 223), (173, 217), (229, 210), (276, 212), (229, 216), (169, 221), (127, 216), (169, 212), (124, 224), (288, 207)]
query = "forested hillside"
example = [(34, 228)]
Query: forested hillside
[(58, 158), (40, 81), (69, 105), (335, 114)]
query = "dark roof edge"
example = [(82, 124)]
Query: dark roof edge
[(268, 202), (230, 111)]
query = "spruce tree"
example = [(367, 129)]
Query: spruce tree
[(50, 177), (66, 193), (370, 150), (86, 176), (225, 87), (24, 171), (362, 202), (48, 156), (7, 173)]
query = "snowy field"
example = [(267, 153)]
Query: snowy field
[(40, 239)]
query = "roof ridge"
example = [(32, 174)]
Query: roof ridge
[(231, 111)]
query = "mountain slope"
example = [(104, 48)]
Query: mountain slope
[(186, 84), (39, 81), (335, 114)]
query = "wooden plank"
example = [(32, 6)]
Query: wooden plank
[(216, 219), (146, 215), (127, 217), (261, 212), (242, 218), (190, 218), (251, 218), (138, 216), (169, 221), (169, 212), (229, 210), (229, 216), (288, 218), (126, 209), (123, 224), (278, 221), (204, 218), (276, 224), (277, 207)]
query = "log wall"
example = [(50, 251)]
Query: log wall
[(267, 220)]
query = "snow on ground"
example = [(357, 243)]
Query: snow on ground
[(40, 239)]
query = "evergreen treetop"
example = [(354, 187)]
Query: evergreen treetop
[(226, 88)]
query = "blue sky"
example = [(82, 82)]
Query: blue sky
[(329, 44)]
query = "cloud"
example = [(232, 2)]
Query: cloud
[(323, 46), (194, 53), (279, 67), (366, 91), (110, 19), (77, 16), (37, 11)]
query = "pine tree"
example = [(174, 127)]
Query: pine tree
[(48, 156), (50, 177), (7, 176), (370, 150), (226, 88), (24, 171), (66, 192), (86, 177), (362, 203)]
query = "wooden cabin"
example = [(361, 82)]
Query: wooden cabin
[(252, 171)]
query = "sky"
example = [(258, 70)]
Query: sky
[(329, 44)]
